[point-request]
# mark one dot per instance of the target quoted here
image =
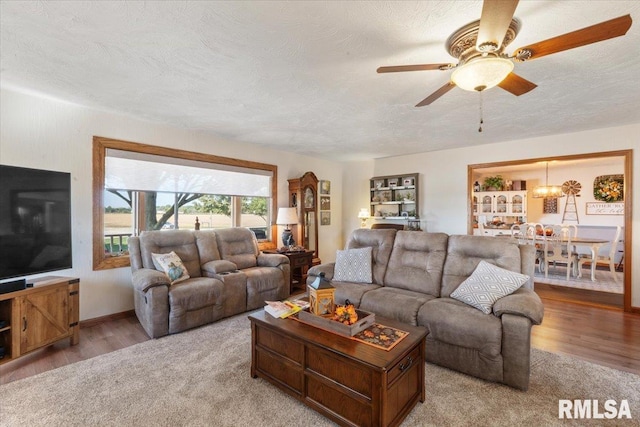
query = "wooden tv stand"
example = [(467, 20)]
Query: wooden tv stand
[(39, 316)]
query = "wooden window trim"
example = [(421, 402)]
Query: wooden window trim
[(100, 146)]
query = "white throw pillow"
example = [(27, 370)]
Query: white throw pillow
[(172, 266), (353, 265), (486, 285)]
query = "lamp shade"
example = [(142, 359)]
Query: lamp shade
[(287, 216), (363, 215), (481, 73)]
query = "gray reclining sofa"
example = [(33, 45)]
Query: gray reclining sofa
[(414, 274), (228, 275)]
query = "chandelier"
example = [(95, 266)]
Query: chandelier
[(543, 191)]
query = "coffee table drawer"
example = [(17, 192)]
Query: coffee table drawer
[(403, 366), (284, 346)]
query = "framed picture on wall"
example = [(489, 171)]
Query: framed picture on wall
[(325, 187), (325, 203), (325, 218)]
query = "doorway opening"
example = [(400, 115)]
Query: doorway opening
[(579, 204)]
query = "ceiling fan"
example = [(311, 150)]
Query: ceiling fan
[(480, 50)]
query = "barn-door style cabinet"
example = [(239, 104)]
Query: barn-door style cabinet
[(38, 316)]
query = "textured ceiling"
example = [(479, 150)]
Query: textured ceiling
[(301, 76)]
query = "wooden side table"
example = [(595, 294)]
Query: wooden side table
[(300, 264)]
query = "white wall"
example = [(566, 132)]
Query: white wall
[(443, 197), (560, 172), (48, 134)]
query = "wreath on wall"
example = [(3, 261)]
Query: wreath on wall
[(609, 188)]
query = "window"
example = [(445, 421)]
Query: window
[(140, 187)]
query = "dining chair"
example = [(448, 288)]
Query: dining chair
[(559, 249), (527, 234), (607, 259)]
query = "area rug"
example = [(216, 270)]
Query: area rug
[(605, 280), (201, 378)]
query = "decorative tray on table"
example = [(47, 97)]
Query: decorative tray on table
[(365, 319)]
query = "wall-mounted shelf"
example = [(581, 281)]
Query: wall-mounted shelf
[(394, 196)]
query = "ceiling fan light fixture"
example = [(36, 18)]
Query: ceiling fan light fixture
[(482, 73)]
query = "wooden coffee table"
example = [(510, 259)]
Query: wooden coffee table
[(352, 383)]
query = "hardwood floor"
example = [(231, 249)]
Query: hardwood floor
[(598, 334)]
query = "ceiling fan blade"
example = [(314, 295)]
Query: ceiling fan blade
[(494, 22), (417, 67), (437, 94), (593, 34), (517, 85)]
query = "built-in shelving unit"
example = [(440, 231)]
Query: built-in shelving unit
[(394, 196)]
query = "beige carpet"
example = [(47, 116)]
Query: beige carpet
[(201, 378)]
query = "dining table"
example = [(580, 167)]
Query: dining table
[(592, 243)]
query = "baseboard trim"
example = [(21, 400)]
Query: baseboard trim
[(88, 323)]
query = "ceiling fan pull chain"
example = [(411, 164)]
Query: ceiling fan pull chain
[(481, 121)]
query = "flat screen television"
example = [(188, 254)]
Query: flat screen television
[(35, 221)]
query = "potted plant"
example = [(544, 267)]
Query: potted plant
[(493, 183)]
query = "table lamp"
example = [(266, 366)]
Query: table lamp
[(363, 215), (286, 217)]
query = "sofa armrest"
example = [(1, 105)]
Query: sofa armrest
[(146, 278), (523, 302), (272, 260), (218, 266), (326, 268)]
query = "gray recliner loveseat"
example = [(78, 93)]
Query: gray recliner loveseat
[(413, 276), (228, 275)]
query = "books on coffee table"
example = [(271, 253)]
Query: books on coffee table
[(281, 309)]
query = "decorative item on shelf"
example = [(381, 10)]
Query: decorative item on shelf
[(476, 186), (321, 295), (546, 190), (408, 182), (609, 188), (287, 217), (385, 196), (493, 183), (364, 216), (197, 224), (393, 182), (408, 196)]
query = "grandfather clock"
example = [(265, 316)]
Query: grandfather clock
[(303, 195)]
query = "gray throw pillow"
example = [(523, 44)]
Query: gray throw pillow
[(353, 265), (486, 285)]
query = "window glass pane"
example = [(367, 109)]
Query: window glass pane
[(255, 215), (118, 222), (214, 211)]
